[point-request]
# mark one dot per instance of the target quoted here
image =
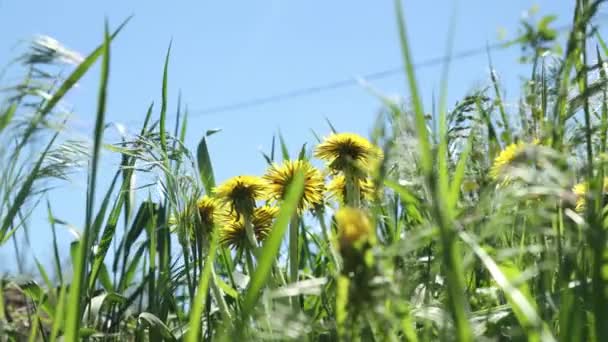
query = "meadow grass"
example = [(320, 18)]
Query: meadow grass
[(476, 222)]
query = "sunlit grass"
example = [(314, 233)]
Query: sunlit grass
[(481, 221)]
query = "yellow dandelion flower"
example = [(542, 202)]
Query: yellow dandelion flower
[(233, 234), (207, 207), (354, 228), (241, 192), (348, 152), (280, 176), (581, 190), (506, 158), (337, 188)]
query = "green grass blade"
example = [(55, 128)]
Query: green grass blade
[(201, 293), (331, 126), (56, 258), (131, 269), (152, 321), (24, 192), (163, 105), (284, 149), (271, 246), (75, 296), (272, 147), (450, 255), (7, 116), (507, 132), (302, 154), (442, 150), (108, 234), (421, 127), (205, 168), (458, 177), (525, 310), (58, 323)]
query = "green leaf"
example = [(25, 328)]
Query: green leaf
[(75, 295), (459, 173), (406, 195), (86, 332), (272, 147), (36, 294), (211, 132), (333, 129), (163, 105), (56, 257), (131, 270), (100, 302), (58, 320), (302, 155), (451, 257), (108, 234), (74, 247), (194, 326), (226, 288), (317, 137), (149, 320), (7, 116), (267, 158), (524, 309), (423, 135), (271, 246), (205, 167), (147, 210), (105, 279), (23, 193), (284, 149), (544, 23), (43, 274)]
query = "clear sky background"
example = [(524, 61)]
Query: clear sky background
[(229, 51)]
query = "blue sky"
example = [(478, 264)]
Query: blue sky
[(229, 51)]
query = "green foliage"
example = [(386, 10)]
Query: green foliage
[(486, 221)]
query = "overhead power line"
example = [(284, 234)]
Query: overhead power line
[(353, 81), (344, 83), (349, 82)]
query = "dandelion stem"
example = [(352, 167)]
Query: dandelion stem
[(353, 193), (328, 239), (250, 234), (249, 261)]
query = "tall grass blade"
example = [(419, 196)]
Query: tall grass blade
[(77, 287), (270, 248), (205, 167), (194, 326)]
